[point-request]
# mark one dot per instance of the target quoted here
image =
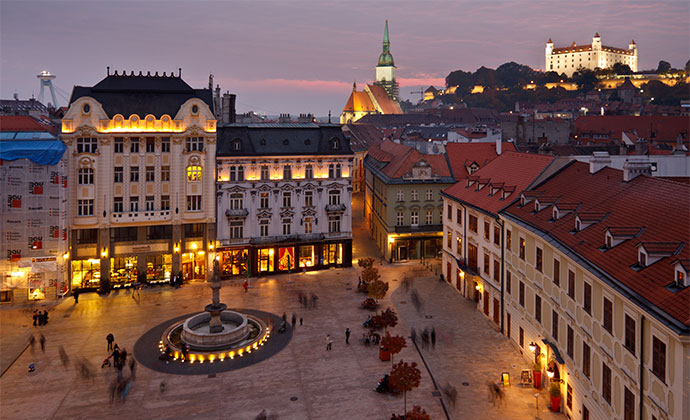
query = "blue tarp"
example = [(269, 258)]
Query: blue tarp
[(41, 152)]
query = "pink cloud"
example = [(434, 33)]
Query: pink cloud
[(422, 81)]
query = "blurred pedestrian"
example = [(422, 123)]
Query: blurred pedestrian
[(76, 295), (132, 368), (116, 356), (300, 321), (35, 316), (64, 357), (245, 285), (347, 336), (314, 298), (110, 338), (413, 335), (329, 342), (42, 340), (294, 320), (32, 341), (433, 337)]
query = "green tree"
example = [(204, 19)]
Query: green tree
[(663, 67), (585, 79), (405, 377), (620, 68)]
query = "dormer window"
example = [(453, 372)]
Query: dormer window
[(555, 214), (537, 207), (523, 200), (609, 241), (642, 258), (335, 144), (578, 225), (237, 145), (680, 277)]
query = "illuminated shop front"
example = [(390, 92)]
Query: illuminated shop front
[(194, 265), (266, 263), (86, 274), (233, 262), (123, 271), (414, 248), (286, 258), (158, 268), (332, 254), (306, 256)]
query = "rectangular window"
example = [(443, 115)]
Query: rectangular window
[(606, 382), (150, 145), (585, 359), (628, 404), (119, 145), (134, 174), (521, 294), (193, 203), (333, 224), (400, 219), (401, 195), (449, 213), (134, 145), (587, 304), (158, 232), (87, 145), (308, 172), (570, 345), (630, 333), (287, 199), (554, 325), (585, 413), (509, 282), (537, 308), (333, 197), (659, 358), (263, 227), (194, 230), (165, 173), (133, 203), (608, 316), (556, 272), (85, 207), (193, 173), (87, 236), (487, 231), (308, 198), (487, 262), (414, 195), (150, 174), (165, 202), (522, 338), (429, 217), (149, 202), (473, 223), (458, 216), (85, 176), (165, 145), (509, 239), (450, 240), (236, 201), (117, 174), (236, 229), (414, 218), (540, 260), (123, 234), (497, 270), (117, 205), (287, 172), (571, 284), (429, 195), (195, 144), (263, 200), (569, 397), (286, 226), (308, 224), (522, 248), (497, 235), (265, 173)]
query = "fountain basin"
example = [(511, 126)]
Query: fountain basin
[(196, 331)]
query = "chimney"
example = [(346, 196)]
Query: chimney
[(641, 146), (599, 161), (228, 108), (636, 165), (498, 146)]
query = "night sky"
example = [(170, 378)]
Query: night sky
[(302, 56)]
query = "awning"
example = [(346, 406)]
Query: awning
[(554, 349)]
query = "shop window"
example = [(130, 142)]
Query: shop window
[(5, 295), (286, 258), (266, 259), (306, 256), (194, 230), (123, 234), (233, 263), (38, 293), (158, 232), (194, 265), (332, 254), (87, 236), (123, 271), (86, 274), (158, 268)]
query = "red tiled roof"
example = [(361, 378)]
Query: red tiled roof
[(651, 128), (400, 159), (25, 123), (661, 206), (514, 169), (380, 96), (461, 155), (670, 248), (625, 231)]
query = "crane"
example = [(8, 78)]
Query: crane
[(421, 94)]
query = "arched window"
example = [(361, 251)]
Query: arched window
[(237, 145), (193, 173), (335, 143)]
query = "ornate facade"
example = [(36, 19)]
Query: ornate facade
[(142, 152)]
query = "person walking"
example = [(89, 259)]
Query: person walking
[(246, 286), (116, 355), (42, 340), (110, 338), (35, 317), (132, 368), (76, 296), (433, 337), (300, 321), (32, 341), (294, 320), (329, 342), (347, 336)]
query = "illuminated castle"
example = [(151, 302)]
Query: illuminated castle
[(569, 59)]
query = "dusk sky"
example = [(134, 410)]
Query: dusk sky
[(302, 56)]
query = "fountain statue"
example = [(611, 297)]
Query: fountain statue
[(215, 308)]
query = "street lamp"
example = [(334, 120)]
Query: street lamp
[(550, 372), (532, 346)]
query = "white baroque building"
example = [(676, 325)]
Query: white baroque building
[(569, 59), (284, 194), (142, 152)]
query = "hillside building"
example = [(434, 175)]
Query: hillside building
[(591, 56)]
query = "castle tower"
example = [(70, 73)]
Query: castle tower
[(385, 70), (596, 42)]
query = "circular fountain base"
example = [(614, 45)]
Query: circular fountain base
[(234, 327)]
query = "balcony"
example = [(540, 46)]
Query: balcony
[(141, 216), (338, 235), (236, 213), (233, 241), (335, 208), (310, 237), (418, 228)]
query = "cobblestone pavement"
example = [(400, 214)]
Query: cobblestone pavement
[(303, 381)]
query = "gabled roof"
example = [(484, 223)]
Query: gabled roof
[(142, 94), (395, 160), (379, 96), (511, 168), (462, 155), (359, 102), (651, 128), (661, 206)]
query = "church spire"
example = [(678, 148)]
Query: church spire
[(386, 42), (386, 59)]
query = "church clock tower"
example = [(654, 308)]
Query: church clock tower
[(385, 70)]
